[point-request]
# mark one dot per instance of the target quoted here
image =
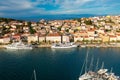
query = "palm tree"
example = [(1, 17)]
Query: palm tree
[(38, 35), (61, 34), (47, 32)]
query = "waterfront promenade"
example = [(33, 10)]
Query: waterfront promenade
[(79, 45)]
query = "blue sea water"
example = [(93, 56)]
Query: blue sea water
[(54, 17), (54, 64)]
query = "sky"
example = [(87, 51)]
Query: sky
[(26, 8)]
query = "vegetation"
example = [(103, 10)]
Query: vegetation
[(107, 30), (59, 28), (88, 22), (109, 21), (78, 19), (32, 31), (7, 20)]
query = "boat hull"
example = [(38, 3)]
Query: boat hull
[(64, 47), (18, 45), (19, 48)]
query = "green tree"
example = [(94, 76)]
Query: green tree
[(88, 22), (59, 28), (32, 31), (47, 32)]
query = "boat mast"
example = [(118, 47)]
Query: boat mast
[(91, 64), (86, 61), (35, 75), (111, 70), (84, 64), (97, 64), (82, 67), (102, 65)]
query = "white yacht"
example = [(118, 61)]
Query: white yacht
[(64, 45), (97, 46), (83, 46), (18, 45)]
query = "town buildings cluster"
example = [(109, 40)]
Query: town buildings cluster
[(101, 29)]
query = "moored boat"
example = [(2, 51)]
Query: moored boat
[(18, 45), (97, 46), (95, 73), (64, 45), (83, 46), (101, 74)]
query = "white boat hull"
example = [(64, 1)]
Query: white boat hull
[(83, 46), (18, 45), (19, 48), (64, 47)]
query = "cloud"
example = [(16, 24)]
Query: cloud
[(38, 7), (18, 8), (14, 5), (92, 10), (1, 14), (72, 4)]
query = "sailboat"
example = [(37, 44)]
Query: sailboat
[(97, 74)]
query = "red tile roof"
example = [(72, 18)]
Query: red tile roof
[(86, 37), (53, 34), (112, 36), (118, 34)]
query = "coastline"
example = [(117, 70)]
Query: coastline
[(100, 45), (2, 46), (81, 46), (40, 46), (86, 45)]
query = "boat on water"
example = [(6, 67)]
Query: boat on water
[(97, 46), (18, 45), (101, 74), (83, 46), (64, 45), (96, 74)]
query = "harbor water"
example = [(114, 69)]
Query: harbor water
[(54, 64)]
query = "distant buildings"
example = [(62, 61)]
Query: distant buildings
[(93, 29)]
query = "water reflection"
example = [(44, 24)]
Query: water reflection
[(54, 64), (17, 53), (69, 50)]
